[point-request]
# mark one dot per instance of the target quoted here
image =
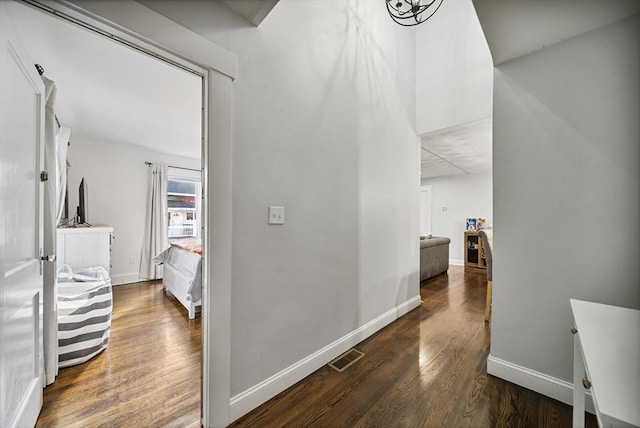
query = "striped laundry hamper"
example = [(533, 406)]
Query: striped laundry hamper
[(84, 314)]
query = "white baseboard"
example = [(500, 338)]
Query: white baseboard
[(539, 382), (248, 400), (456, 262), (126, 278)]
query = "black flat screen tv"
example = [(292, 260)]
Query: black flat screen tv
[(82, 215)]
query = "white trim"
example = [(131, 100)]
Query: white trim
[(217, 245), (27, 414), (126, 278), (456, 262), (183, 174), (248, 400), (539, 382)]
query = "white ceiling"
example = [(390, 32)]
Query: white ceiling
[(460, 149), (109, 93), (454, 81)]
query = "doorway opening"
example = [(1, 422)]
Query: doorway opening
[(203, 92)]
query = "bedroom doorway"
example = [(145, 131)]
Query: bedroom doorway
[(158, 108), (135, 30)]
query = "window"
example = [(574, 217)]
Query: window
[(183, 202)]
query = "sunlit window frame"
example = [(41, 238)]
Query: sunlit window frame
[(178, 174)]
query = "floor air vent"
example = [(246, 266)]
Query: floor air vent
[(346, 359)]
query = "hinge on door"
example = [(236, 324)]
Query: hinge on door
[(44, 176)]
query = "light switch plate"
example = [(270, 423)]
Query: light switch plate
[(276, 215)]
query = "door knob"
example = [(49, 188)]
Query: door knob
[(51, 258)]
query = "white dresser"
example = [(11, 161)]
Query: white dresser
[(82, 247), (606, 361)]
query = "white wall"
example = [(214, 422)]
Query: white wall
[(118, 183), (324, 105), (454, 72), (464, 195), (566, 191)]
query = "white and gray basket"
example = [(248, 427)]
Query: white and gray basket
[(85, 304)]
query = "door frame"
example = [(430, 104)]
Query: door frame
[(142, 29)]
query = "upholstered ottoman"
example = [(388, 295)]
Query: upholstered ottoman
[(434, 256)]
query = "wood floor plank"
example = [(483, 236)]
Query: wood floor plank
[(427, 369), (149, 375)]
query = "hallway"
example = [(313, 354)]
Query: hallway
[(427, 369)]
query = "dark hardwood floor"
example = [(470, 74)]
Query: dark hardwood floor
[(149, 375), (428, 369)]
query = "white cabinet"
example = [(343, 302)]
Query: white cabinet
[(82, 247), (606, 361)]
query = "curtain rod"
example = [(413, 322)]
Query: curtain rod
[(147, 163)]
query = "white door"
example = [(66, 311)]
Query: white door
[(21, 137), (425, 210)]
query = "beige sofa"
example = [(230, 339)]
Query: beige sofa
[(434, 256)]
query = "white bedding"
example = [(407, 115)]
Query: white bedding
[(189, 264)]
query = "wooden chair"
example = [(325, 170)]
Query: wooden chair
[(487, 240)]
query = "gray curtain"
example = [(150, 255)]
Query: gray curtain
[(155, 233)]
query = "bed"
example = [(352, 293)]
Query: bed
[(182, 273)]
